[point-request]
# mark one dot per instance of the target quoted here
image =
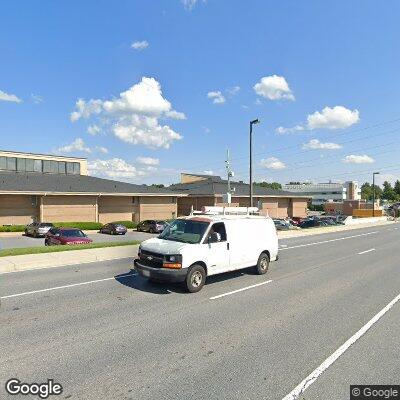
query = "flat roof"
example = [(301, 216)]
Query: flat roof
[(36, 183), (42, 155)]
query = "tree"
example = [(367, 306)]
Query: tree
[(388, 192), (367, 191), (157, 185), (397, 187), (270, 185)]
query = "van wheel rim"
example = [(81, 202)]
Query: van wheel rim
[(197, 278), (264, 264)]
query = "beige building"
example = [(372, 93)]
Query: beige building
[(65, 193), (205, 190)]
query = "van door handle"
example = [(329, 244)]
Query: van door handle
[(227, 246)]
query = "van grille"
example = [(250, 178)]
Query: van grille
[(151, 259)]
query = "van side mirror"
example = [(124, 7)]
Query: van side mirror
[(214, 237)]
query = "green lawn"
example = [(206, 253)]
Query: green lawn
[(56, 249)]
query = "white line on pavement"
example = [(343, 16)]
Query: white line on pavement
[(302, 386), (329, 241), (66, 286), (239, 290), (366, 251)]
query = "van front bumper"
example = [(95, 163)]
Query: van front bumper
[(161, 274)]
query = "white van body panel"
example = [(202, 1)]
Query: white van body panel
[(247, 237)]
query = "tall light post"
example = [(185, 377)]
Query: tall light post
[(255, 121), (373, 193)]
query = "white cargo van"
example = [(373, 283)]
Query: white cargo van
[(192, 248)]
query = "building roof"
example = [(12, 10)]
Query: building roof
[(215, 185), (23, 153), (35, 183)]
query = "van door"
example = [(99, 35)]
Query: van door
[(217, 251)]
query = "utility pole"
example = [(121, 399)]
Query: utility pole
[(373, 193), (256, 121), (229, 172)]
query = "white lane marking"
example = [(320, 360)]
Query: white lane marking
[(395, 229), (240, 290), (303, 385), (366, 251), (65, 286), (329, 241), (283, 245)]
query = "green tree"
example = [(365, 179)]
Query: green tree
[(157, 185), (270, 185), (397, 187), (367, 191), (388, 192)]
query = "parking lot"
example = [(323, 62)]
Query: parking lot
[(20, 240)]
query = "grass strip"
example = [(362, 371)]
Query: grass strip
[(56, 249)]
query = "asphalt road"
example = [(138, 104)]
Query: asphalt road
[(105, 333), (27, 241)]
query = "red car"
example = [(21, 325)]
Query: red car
[(62, 236)]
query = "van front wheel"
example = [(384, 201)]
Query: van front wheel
[(262, 264), (195, 278)]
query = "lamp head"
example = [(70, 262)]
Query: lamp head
[(255, 121)]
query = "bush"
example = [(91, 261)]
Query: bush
[(88, 226), (12, 228)]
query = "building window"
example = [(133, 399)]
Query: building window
[(38, 165), (135, 200), (173, 200), (77, 168), (46, 166), (21, 164), (61, 167), (70, 168), (3, 163), (54, 167), (34, 201), (29, 164), (11, 163)]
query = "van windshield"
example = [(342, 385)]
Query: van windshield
[(185, 231)]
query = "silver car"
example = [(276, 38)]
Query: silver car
[(38, 229)]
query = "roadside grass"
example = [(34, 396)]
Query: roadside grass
[(57, 249)]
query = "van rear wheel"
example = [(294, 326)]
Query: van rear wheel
[(262, 264), (195, 278)]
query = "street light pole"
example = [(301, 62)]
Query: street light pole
[(256, 121), (373, 193)]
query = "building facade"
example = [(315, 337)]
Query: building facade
[(320, 193), (205, 190), (65, 193)]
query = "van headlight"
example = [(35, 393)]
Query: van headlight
[(172, 261)]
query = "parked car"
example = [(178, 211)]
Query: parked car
[(113, 229), (38, 229), (66, 236), (151, 226), (312, 223), (193, 248), (283, 225)]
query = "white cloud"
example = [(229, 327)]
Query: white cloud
[(113, 168), (140, 45), (189, 4), (282, 131), (272, 163), (206, 130), (358, 159), (86, 109), (233, 90), (273, 88), (77, 145), (9, 97), (93, 130), (148, 161), (216, 96), (315, 144), (36, 98), (102, 149), (208, 172), (175, 114), (337, 117), (134, 115)]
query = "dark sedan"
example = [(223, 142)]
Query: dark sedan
[(312, 223), (66, 236), (151, 226), (113, 229)]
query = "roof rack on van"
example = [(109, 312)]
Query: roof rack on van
[(215, 210)]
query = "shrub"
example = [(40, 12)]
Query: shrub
[(128, 224), (12, 228), (88, 226)]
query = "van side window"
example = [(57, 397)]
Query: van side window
[(219, 227)]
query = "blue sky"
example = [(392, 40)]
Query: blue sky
[(193, 74)]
